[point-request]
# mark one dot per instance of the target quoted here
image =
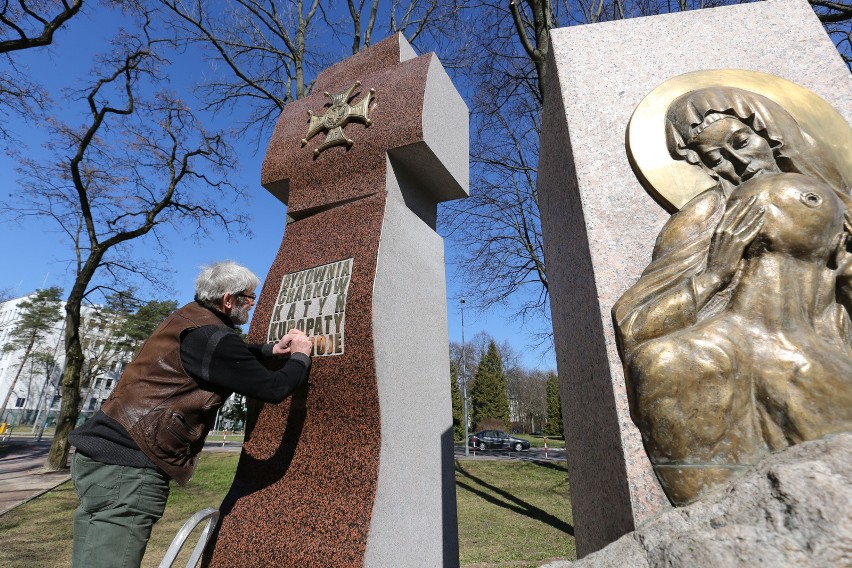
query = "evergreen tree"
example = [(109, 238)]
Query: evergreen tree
[(38, 315), (458, 403), (141, 323), (488, 388), (116, 331), (235, 410), (553, 426)]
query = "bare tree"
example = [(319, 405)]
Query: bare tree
[(498, 229), (464, 358), (6, 294), (837, 19), (103, 344), (418, 18), (467, 352), (355, 11), (19, 93), (46, 373), (136, 165), (528, 393), (421, 21), (264, 54), (261, 44), (25, 24)]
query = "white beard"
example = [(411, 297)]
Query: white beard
[(239, 314)]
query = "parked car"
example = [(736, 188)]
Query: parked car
[(497, 440)]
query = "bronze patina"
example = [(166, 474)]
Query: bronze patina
[(737, 339), (674, 181), (337, 117)]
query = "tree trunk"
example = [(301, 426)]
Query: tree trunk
[(69, 389), (70, 384)]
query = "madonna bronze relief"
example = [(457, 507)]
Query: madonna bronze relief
[(737, 339)]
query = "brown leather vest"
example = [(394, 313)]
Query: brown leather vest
[(163, 409)]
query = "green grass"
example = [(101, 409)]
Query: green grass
[(208, 486), (26, 431), (511, 514), (218, 435), (39, 533)]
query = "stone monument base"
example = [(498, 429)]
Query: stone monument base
[(794, 509)]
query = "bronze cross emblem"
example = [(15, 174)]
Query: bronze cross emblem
[(337, 117)]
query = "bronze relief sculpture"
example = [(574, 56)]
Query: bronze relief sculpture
[(336, 117), (737, 338)]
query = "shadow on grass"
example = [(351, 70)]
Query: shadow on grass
[(511, 502), (550, 464)]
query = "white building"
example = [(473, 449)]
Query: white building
[(35, 395)]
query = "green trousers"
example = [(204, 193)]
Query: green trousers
[(118, 506)]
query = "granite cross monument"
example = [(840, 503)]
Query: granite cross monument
[(357, 468)]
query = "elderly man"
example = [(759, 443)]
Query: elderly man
[(152, 428)]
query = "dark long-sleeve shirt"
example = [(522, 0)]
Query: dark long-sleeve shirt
[(220, 361), (217, 356)]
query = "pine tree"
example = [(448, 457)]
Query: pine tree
[(141, 323), (488, 388), (38, 316), (553, 426), (235, 410), (458, 403), (116, 331)]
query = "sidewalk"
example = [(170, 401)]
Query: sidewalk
[(21, 477), (21, 462)]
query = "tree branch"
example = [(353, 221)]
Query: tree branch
[(48, 26)]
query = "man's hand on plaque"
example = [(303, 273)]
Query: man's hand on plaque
[(294, 341)]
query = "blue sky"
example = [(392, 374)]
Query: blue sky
[(37, 256)]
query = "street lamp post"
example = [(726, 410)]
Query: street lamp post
[(464, 382)]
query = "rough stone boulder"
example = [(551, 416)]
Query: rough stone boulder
[(793, 509)]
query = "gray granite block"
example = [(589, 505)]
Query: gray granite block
[(600, 224)]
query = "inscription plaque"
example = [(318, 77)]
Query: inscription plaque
[(314, 301)]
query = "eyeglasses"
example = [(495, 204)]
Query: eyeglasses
[(251, 297)]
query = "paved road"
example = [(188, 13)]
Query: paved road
[(530, 454), (220, 446), (21, 472)]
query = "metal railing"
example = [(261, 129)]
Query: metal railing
[(212, 517)]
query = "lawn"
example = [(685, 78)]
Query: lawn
[(511, 514), (40, 531)]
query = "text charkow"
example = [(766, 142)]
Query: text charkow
[(314, 301)]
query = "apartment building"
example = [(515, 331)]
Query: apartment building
[(35, 394)]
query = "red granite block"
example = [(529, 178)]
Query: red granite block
[(341, 173), (304, 488)]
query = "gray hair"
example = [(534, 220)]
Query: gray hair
[(220, 278)]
